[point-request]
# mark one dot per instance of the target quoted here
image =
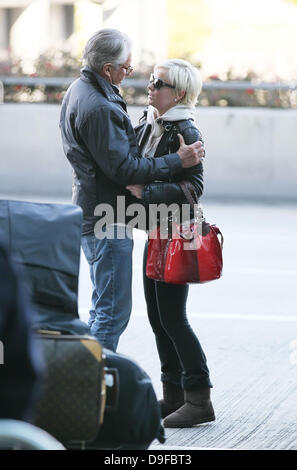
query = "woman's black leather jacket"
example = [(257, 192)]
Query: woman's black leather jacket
[(169, 191)]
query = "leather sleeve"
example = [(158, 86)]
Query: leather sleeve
[(168, 193), (105, 135)]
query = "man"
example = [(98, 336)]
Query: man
[(99, 141)]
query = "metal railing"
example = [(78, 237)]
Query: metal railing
[(142, 84)]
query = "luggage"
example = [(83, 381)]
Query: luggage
[(136, 421), (73, 393), (83, 385), (21, 364), (45, 240)]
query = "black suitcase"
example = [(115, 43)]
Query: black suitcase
[(82, 381), (45, 239), (136, 421)]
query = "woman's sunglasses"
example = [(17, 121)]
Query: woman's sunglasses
[(158, 83)]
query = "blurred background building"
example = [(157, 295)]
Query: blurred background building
[(224, 37), (29, 28), (246, 50)]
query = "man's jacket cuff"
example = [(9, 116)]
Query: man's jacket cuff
[(174, 163)]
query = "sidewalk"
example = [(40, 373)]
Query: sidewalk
[(247, 325)]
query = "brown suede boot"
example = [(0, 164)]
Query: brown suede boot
[(173, 398), (197, 409)]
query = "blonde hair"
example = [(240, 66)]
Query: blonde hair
[(185, 77)]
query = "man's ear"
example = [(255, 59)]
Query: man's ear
[(106, 72)]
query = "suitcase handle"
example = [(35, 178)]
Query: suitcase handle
[(112, 383)]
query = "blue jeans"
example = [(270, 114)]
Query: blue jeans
[(110, 261)]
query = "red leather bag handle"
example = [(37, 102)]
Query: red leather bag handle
[(218, 232)]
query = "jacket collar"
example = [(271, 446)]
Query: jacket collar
[(179, 112), (111, 92)]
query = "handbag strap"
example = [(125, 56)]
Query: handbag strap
[(192, 199), (189, 192)]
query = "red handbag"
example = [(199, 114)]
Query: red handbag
[(192, 253)]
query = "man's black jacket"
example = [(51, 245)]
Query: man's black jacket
[(100, 143)]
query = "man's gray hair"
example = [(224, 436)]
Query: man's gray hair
[(106, 46)]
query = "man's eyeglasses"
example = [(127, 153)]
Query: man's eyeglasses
[(128, 69), (158, 83)]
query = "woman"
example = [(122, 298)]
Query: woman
[(172, 94)]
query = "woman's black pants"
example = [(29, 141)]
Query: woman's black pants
[(181, 355)]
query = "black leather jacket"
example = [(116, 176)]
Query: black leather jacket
[(169, 191), (100, 143)]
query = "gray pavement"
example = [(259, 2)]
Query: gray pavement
[(247, 325)]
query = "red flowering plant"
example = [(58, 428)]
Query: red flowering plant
[(51, 64), (60, 64), (57, 63), (9, 68), (230, 90), (248, 91)]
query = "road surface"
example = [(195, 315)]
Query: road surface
[(247, 324)]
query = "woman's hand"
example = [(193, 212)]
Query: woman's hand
[(136, 190)]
